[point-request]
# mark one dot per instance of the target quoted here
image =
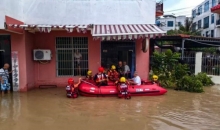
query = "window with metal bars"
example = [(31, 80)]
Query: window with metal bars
[(71, 56)]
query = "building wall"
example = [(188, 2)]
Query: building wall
[(212, 26), (89, 11), (32, 73), (46, 73), (23, 44), (142, 61), (29, 46), (12, 8), (79, 12), (164, 24), (18, 44)]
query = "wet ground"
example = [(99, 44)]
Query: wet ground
[(49, 109)]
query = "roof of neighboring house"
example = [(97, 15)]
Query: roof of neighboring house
[(190, 41), (183, 36)]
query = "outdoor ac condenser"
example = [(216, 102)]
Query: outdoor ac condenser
[(42, 54)]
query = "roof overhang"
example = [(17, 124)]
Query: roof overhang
[(46, 28), (10, 20), (216, 9)]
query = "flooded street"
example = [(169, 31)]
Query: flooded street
[(49, 109)]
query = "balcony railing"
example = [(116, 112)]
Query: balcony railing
[(159, 7), (218, 22)]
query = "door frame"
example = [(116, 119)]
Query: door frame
[(10, 55), (132, 48)]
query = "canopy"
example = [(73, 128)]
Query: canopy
[(125, 31)]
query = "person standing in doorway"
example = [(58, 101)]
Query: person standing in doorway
[(4, 78), (126, 69), (78, 58), (120, 69)]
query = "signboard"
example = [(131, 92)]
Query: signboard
[(15, 70)]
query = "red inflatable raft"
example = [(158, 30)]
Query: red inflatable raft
[(88, 88)]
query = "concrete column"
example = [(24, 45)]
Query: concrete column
[(182, 52), (198, 63)]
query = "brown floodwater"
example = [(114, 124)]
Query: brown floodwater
[(49, 109)]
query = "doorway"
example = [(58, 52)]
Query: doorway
[(5, 53), (114, 51)]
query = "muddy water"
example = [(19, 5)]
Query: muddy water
[(49, 109)]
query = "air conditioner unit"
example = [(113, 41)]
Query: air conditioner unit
[(42, 54)]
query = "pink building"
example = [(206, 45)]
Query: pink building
[(99, 43)]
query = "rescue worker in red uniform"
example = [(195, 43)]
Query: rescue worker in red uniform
[(101, 78), (71, 88), (113, 75), (89, 75), (123, 88)]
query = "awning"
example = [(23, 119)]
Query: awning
[(216, 9), (48, 28), (131, 31)]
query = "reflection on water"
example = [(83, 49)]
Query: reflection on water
[(10, 107), (49, 109)]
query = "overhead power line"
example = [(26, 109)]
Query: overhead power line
[(179, 9), (209, 5)]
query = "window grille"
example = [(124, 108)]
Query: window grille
[(67, 58)]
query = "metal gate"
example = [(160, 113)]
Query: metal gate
[(211, 63), (66, 61), (189, 58)]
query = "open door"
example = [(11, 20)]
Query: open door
[(5, 53), (114, 51)]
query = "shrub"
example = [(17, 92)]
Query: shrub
[(175, 75), (204, 79), (190, 84)]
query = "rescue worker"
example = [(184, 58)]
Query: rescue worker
[(71, 89), (113, 75), (155, 79), (89, 75), (101, 78), (123, 88)]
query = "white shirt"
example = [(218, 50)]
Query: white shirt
[(137, 80), (78, 56), (126, 69)]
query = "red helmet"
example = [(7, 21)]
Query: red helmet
[(101, 69), (70, 81)]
